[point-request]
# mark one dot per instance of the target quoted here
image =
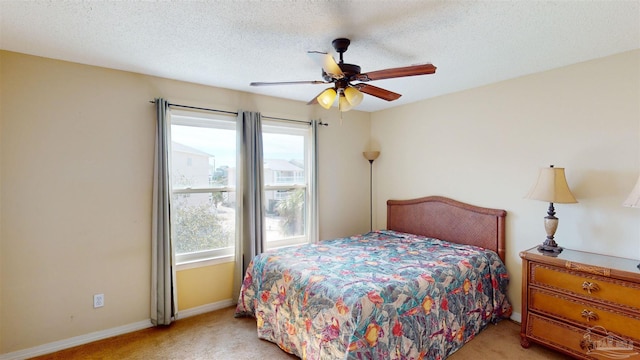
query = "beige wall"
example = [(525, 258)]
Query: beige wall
[(204, 285), (1, 246), (76, 147), (484, 146), (76, 151)]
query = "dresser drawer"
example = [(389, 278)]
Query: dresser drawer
[(585, 313), (578, 341), (591, 287)]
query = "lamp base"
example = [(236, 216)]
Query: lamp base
[(549, 249), (549, 246)]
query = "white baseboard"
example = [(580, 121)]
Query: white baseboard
[(204, 309), (99, 335), (517, 317), (75, 341)]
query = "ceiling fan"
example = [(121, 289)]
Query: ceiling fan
[(341, 74)]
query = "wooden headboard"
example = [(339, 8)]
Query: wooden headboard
[(447, 219)]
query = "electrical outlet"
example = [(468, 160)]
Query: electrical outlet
[(98, 300)]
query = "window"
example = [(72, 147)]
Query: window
[(203, 180), (286, 152), (203, 208)]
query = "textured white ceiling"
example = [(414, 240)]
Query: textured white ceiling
[(232, 43)]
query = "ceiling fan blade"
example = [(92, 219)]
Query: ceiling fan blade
[(315, 99), (396, 72), (377, 92), (288, 83), (328, 63)]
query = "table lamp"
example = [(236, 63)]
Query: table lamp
[(552, 187)]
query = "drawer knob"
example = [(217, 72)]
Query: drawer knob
[(589, 315), (589, 287)]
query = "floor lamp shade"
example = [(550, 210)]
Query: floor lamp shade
[(371, 155), (551, 186)]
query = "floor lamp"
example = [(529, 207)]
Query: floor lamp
[(371, 155)]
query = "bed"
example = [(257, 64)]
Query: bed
[(420, 289)]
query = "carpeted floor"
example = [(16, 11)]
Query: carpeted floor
[(219, 336)]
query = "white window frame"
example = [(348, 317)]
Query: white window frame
[(302, 129), (208, 120), (205, 119)]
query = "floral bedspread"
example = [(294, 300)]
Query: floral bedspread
[(382, 295)]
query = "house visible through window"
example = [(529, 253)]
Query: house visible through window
[(203, 208), (286, 152), (203, 178)]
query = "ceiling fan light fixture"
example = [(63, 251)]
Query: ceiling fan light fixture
[(344, 104), (341, 74), (327, 97), (353, 95)]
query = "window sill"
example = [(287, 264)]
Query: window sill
[(204, 262)]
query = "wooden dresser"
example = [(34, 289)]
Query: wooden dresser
[(582, 304)]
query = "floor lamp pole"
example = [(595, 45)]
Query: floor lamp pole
[(370, 195), (371, 155)]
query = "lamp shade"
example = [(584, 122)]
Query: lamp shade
[(344, 104), (633, 200), (327, 97), (349, 98), (353, 95), (552, 187), (371, 155)]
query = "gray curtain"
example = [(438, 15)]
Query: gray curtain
[(163, 292), (314, 235), (250, 178)]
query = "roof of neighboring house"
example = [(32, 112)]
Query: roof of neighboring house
[(281, 165), (175, 146)]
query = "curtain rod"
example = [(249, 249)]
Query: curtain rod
[(236, 113)]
